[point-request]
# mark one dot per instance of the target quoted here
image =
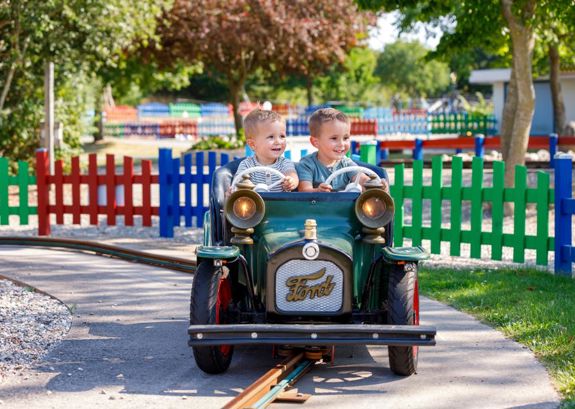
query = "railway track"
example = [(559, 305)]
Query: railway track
[(274, 384), (171, 263)]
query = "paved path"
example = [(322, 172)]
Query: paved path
[(127, 349)]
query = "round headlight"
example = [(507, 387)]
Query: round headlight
[(244, 208), (374, 208)]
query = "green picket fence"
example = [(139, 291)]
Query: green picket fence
[(476, 194), (23, 180)]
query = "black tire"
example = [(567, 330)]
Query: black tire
[(403, 309), (206, 309)]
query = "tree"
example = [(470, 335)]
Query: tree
[(404, 68), (80, 37), (475, 22), (239, 37), (557, 34)]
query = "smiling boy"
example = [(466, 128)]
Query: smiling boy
[(266, 136), (330, 134)]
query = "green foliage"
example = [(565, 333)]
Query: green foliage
[(132, 81), (217, 142), (350, 81), (481, 107), (353, 82), (79, 37), (533, 307), (403, 67)]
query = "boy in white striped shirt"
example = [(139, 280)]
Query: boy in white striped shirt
[(266, 136)]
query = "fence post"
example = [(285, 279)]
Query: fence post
[(563, 217), (355, 147), (166, 193), (553, 144), (384, 152), (418, 151), (479, 145), (367, 152), (42, 172)]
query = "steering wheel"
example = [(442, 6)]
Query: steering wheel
[(353, 186), (260, 187)]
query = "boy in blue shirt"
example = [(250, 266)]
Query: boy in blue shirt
[(330, 134)]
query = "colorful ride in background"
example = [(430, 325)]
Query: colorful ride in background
[(192, 121)]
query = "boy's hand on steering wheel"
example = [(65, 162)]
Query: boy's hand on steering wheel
[(289, 184), (385, 185), (324, 187)]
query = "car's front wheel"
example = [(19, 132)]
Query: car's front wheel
[(403, 309), (211, 297)]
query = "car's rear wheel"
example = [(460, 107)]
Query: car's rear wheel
[(403, 309), (211, 298)]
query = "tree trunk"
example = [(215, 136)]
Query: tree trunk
[(309, 89), (522, 44), (235, 91), (99, 105), (508, 116), (559, 119)]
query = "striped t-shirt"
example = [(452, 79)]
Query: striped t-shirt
[(282, 164)]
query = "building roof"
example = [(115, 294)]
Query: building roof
[(490, 76), (493, 75)]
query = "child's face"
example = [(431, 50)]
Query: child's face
[(269, 142), (332, 142)]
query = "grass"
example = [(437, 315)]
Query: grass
[(530, 306)]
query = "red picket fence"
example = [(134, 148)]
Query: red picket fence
[(92, 180)]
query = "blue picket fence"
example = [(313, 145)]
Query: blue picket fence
[(195, 181)]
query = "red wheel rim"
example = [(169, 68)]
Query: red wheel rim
[(416, 312), (222, 304)]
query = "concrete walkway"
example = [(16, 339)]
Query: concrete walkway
[(128, 349)]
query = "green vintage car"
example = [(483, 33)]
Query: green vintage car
[(308, 270)]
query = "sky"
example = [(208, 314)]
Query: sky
[(386, 33)]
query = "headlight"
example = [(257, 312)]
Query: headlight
[(244, 209), (374, 208)]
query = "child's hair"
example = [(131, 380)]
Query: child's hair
[(323, 115), (257, 116)]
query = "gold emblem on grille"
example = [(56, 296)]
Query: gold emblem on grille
[(299, 290)]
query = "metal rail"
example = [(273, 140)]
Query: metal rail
[(172, 263), (272, 384)]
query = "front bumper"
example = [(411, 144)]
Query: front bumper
[(289, 334)]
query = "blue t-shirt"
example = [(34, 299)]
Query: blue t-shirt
[(310, 169)]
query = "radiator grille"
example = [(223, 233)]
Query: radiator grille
[(310, 286)]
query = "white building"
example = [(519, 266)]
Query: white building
[(543, 117)]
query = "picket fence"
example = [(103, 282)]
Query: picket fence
[(184, 193), (477, 194)]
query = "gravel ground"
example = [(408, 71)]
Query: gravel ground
[(32, 323)]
